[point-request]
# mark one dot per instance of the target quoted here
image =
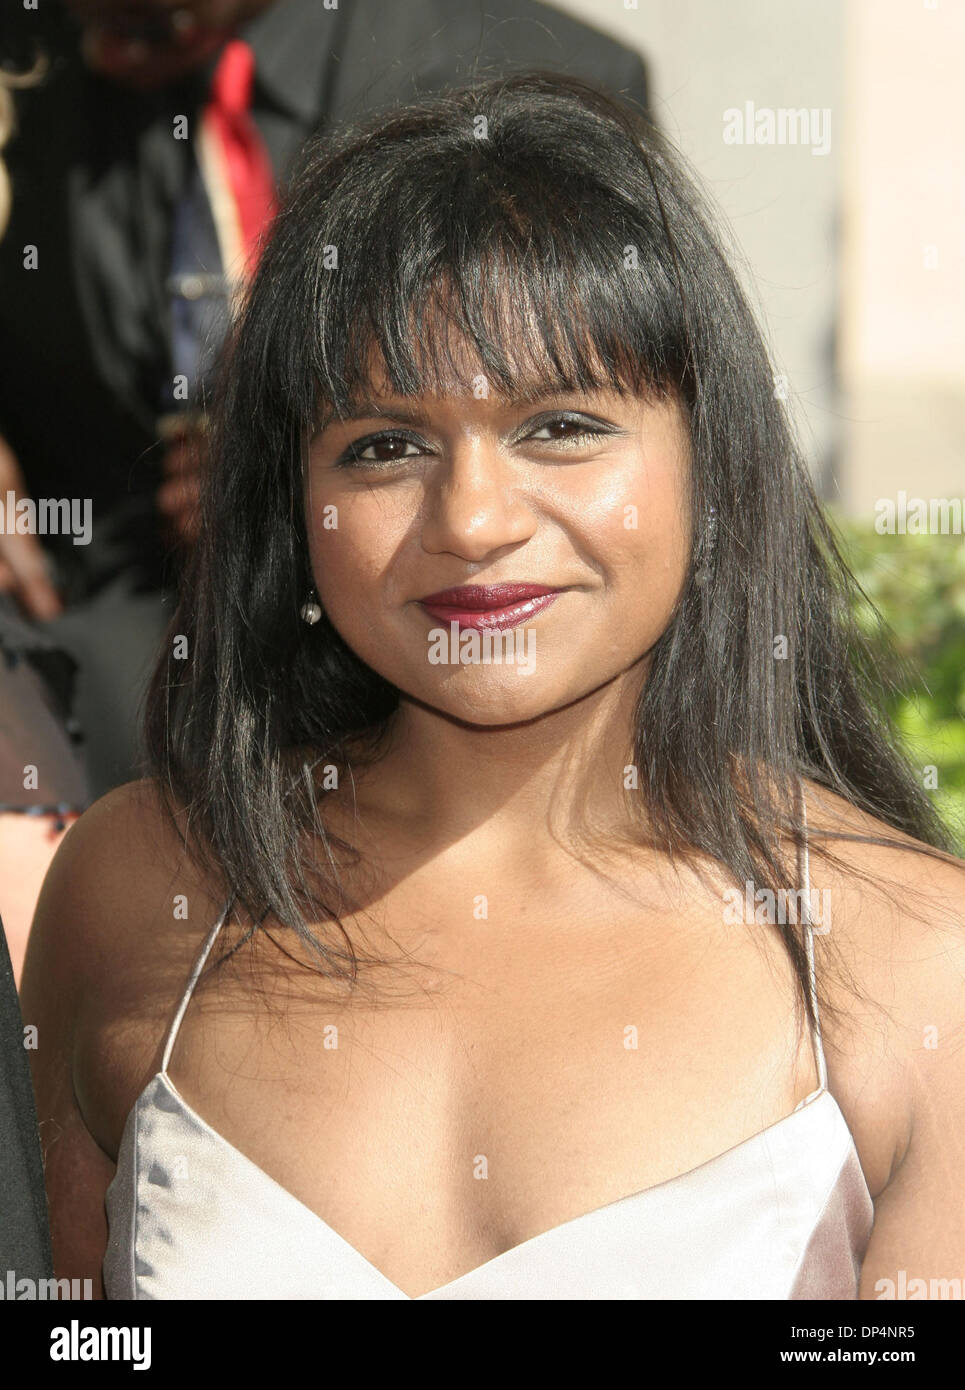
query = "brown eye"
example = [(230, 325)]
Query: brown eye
[(566, 429), (379, 449), (388, 448)]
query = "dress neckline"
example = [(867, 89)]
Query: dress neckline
[(162, 1078), (821, 1093)]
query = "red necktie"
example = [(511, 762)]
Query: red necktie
[(247, 168)]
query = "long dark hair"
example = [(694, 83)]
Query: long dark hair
[(559, 235)]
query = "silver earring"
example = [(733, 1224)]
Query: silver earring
[(311, 610), (704, 571)]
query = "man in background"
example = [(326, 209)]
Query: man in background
[(141, 170)]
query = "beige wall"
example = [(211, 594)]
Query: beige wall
[(871, 339), (903, 267), (705, 57)]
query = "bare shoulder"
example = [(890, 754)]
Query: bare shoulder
[(114, 877), (117, 925), (890, 958), (892, 904)]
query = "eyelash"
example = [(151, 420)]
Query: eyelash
[(351, 458)]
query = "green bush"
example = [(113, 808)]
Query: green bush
[(917, 584)]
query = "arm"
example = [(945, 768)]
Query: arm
[(105, 963), (893, 969), (76, 1169), (919, 1226)]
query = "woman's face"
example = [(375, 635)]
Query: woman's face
[(582, 495)]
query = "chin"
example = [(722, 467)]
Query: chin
[(496, 707)]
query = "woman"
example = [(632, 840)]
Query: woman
[(417, 955)]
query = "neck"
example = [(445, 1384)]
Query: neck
[(510, 787)]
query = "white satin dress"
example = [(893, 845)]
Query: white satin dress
[(784, 1215)]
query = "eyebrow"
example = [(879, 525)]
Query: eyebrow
[(366, 408)]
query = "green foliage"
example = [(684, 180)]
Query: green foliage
[(917, 585)]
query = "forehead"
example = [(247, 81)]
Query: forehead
[(449, 366)]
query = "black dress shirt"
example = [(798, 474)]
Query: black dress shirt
[(85, 355)]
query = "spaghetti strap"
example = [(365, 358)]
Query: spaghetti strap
[(189, 990), (805, 882)]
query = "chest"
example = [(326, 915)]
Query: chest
[(511, 1082)]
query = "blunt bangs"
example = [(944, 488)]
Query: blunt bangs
[(539, 263)]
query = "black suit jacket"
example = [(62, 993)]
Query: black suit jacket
[(96, 172), (24, 1236)]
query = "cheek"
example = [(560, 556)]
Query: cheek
[(352, 541), (634, 525)]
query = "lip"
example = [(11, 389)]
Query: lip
[(483, 606)]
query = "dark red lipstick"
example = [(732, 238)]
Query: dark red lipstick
[(489, 605)]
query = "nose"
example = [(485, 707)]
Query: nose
[(475, 504)]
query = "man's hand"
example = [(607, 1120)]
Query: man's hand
[(24, 572), (178, 495)]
